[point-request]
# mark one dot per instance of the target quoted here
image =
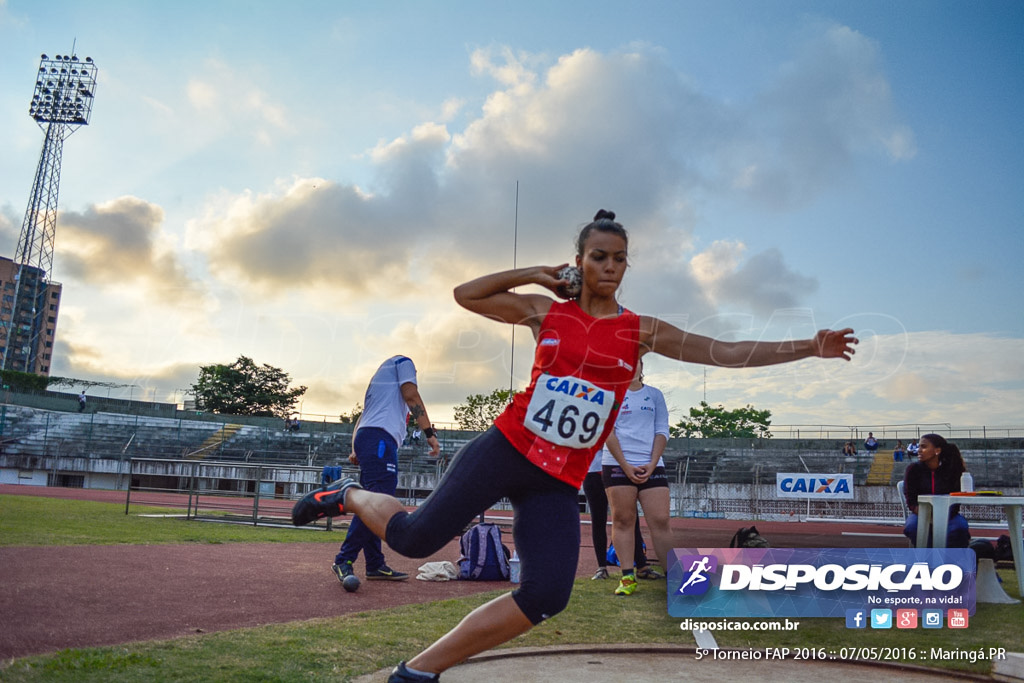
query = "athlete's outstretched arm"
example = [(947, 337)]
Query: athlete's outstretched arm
[(491, 295), (668, 340)]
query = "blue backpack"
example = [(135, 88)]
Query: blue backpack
[(484, 558), (613, 557)]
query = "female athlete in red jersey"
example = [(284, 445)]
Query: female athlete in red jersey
[(539, 449)]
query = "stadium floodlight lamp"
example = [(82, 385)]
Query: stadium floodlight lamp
[(64, 94)]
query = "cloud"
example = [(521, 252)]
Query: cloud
[(120, 243), (9, 231), (312, 233), (436, 195), (9, 19), (453, 351), (829, 104), (720, 291), (592, 130), (451, 107), (168, 383), (619, 130), (764, 284), (895, 379), (225, 99), (931, 377), (941, 365)]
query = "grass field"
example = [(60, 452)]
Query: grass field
[(28, 520), (340, 648)]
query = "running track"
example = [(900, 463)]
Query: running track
[(80, 596)]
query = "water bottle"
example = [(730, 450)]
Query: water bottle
[(513, 567), (966, 483)]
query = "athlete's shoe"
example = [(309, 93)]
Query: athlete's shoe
[(649, 572), (400, 674), (328, 501), (385, 573), (342, 570), (601, 573), (627, 584)]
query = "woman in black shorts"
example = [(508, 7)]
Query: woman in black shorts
[(597, 502), (633, 470)]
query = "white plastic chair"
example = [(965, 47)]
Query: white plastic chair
[(903, 499), (906, 509)]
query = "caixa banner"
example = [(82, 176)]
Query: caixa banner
[(817, 582), (820, 486)]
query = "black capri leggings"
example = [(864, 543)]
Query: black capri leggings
[(597, 500), (545, 527)]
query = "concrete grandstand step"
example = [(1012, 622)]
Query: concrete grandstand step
[(881, 469), (214, 441)]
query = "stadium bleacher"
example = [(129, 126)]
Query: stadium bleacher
[(710, 478)]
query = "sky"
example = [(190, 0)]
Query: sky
[(305, 183)]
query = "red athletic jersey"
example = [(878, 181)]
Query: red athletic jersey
[(581, 370)]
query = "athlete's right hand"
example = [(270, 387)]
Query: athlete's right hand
[(547, 276), (353, 459), (435, 446), (637, 475)]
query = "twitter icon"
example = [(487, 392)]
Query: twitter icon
[(881, 618)]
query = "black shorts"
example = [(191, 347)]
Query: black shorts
[(612, 475)]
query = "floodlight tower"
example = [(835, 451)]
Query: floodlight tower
[(61, 103)]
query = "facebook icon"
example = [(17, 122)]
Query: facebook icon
[(856, 618)]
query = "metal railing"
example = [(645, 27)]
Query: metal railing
[(220, 491), (895, 431)]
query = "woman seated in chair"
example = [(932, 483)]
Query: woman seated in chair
[(937, 471)]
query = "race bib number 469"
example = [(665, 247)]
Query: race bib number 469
[(568, 411)]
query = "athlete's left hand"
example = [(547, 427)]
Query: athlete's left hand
[(835, 343), (353, 459), (435, 446)]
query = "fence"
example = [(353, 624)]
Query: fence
[(220, 491), (39, 432), (100, 450), (241, 492), (858, 433), (264, 494)]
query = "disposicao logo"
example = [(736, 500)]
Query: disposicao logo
[(818, 582), (696, 579)]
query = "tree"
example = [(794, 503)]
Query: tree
[(709, 422), (478, 413), (352, 417), (243, 388), (24, 381)]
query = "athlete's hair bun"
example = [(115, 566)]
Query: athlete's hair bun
[(604, 221)]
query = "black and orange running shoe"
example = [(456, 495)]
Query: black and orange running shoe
[(328, 501)]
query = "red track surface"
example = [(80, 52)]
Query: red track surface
[(77, 596)]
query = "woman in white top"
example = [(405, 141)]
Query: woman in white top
[(633, 469)]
